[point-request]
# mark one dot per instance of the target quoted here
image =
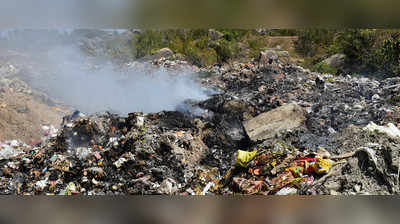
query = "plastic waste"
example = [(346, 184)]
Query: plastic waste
[(244, 157), (310, 165), (322, 166), (71, 189), (207, 188), (390, 129), (287, 191), (9, 151)]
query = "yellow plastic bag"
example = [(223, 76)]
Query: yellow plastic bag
[(322, 166), (243, 157)]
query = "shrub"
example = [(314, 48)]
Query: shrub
[(323, 67), (255, 46), (310, 41), (147, 42), (389, 55), (356, 44), (233, 34), (224, 51), (201, 57)]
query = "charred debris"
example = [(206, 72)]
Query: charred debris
[(272, 128)]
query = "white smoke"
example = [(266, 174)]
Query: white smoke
[(66, 13), (71, 78)]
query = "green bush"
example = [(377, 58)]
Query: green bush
[(255, 46), (357, 45), (389, 55), (233, 34), (312, 41), (368, 51), (201, 57), (224, 51), (323, 67), (146, 42)]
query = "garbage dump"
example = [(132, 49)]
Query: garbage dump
[(271, 127)]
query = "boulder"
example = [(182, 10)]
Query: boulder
[(163, 53), (268, 57), (268, 61), (271, 123), (336, 61), (214, 34)]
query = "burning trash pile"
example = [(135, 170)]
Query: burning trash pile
[(275, 128)]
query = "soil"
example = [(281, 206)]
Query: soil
[(22, 116)]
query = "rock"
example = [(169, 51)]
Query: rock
[(163, 53), (287, 191), (168, 186), (392, 153), (323, 152), (336, 61), (333, 192), (22, 109), (375, 97), (357, 188), (269, 124), (319, 82), (333, 186), (267, 57), (268, 61), (214, 34), (358, 107), (283, 53)]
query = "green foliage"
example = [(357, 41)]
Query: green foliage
[(312, 41), (233, 34), (389, 55), (200, 57), (283, 32), (356, 44), (323, 67), (368, 51), (255, 46), (194, 44), (224, 50), (145, 43)]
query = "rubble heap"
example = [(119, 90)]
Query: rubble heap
[(275, 128)]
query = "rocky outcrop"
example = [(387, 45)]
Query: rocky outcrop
[(269, 124), (268, 61), (336, 61), (214, 34), (163, 53)]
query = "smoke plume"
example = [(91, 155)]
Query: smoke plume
[(98, 85)]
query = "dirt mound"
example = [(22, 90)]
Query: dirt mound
[(23, 112)]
